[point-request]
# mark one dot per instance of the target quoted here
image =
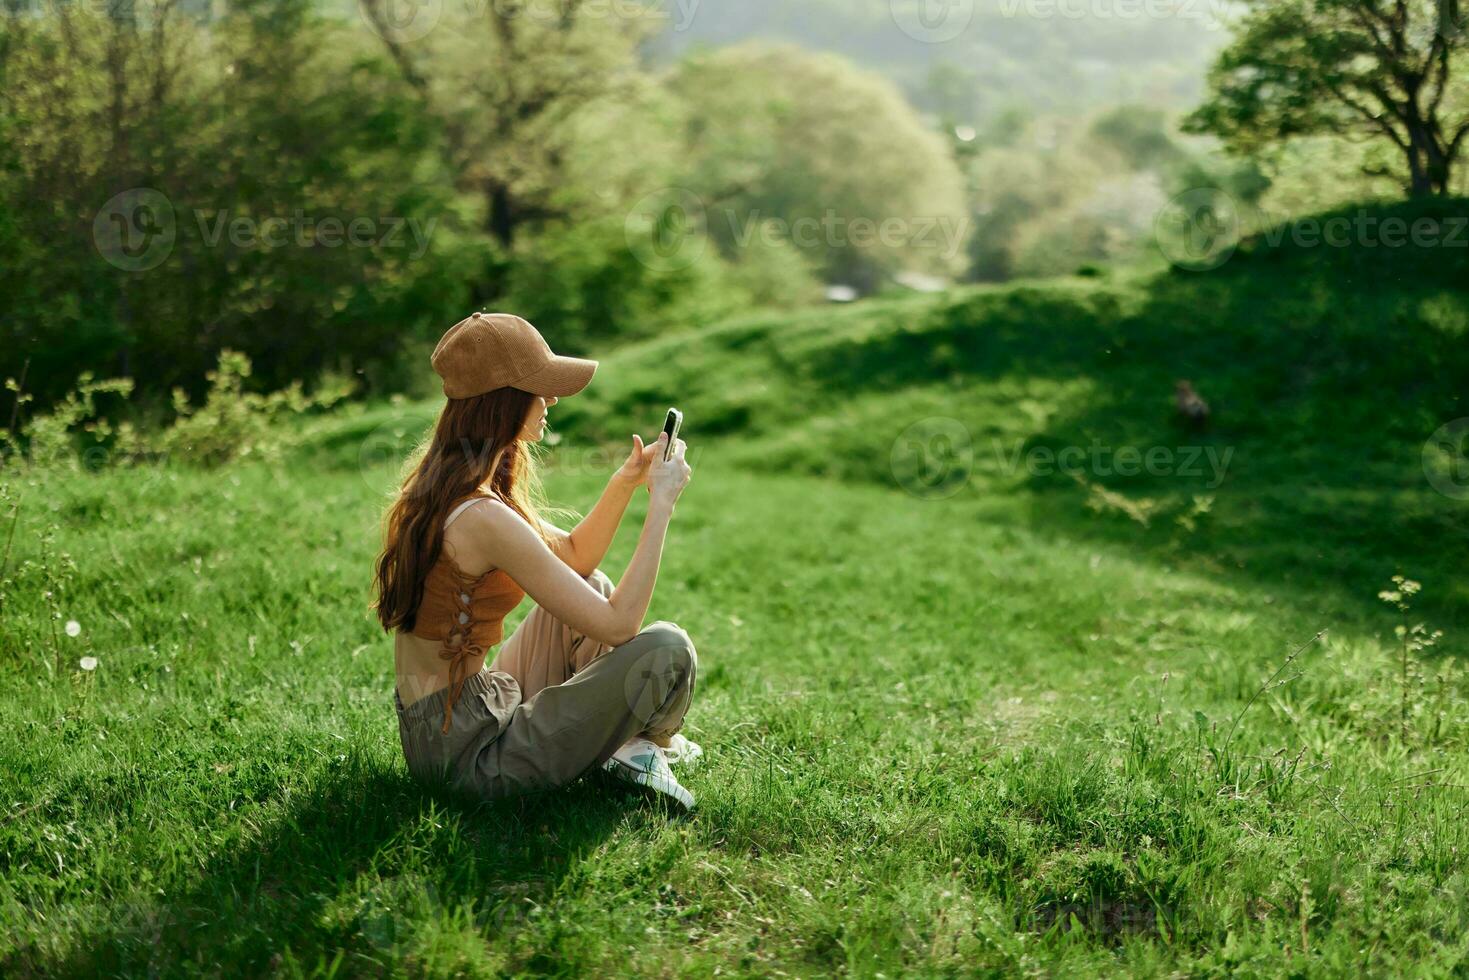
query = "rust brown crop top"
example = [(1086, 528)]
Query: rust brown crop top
[(464, 611)]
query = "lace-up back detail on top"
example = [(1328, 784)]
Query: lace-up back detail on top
[(466, 612)]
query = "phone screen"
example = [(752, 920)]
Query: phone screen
[(671, 424)]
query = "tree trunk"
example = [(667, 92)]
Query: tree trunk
[(1427, 166), (1439, 169), (1418, 183), (500, 221), (1429, 163)]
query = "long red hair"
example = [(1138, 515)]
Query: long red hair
[(474, 445)]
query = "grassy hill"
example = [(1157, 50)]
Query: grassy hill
[(1327, 370), (960, 716)]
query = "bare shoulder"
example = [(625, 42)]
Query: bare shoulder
[(488, 534), (487, 516)]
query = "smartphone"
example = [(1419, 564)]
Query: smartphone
[(671, 423)]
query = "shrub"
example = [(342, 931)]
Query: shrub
[(231, 424)]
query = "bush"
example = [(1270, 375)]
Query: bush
[(231, 424), (586, 284), (262, 183)]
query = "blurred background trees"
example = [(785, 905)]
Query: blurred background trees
[(812, 143), (324, 186), (217, 136), (1357, 70)]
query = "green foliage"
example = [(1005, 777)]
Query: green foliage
[(1345, 68), (1055, 194), (924, 779), (774, 271), (807, 140), (1312, 174), (543, 114), (322, 198), (1296, 347), (236, 424), (596, 290), (231, 424), (295, 209), (553, 154), (1412, 641), (986, 58), (48, 439), (1141, 136)]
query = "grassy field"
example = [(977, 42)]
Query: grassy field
[(961, 715)]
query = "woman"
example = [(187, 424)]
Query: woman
[(581, 683)]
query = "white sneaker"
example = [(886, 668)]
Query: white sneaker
[(644, 763), (681, 752)]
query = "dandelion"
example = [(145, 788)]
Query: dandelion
[(88, 663), (73, 628)]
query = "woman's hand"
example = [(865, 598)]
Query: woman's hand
[(634, 469), (667, 478)]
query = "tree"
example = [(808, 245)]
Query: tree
[(785, 138), (544, 107), (1366, 70), (169, 188)]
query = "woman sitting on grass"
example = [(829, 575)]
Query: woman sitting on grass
[(581, 683)]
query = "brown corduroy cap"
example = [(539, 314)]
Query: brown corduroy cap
[(485, 351)]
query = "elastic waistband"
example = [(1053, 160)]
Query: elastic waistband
[(433, 706)]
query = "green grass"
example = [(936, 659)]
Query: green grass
[(1327, 370), (993, 732)]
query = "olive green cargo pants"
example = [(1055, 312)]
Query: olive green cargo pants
[(552, 705)]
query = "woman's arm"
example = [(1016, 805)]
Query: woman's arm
[(499, 537), (587, 543)]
